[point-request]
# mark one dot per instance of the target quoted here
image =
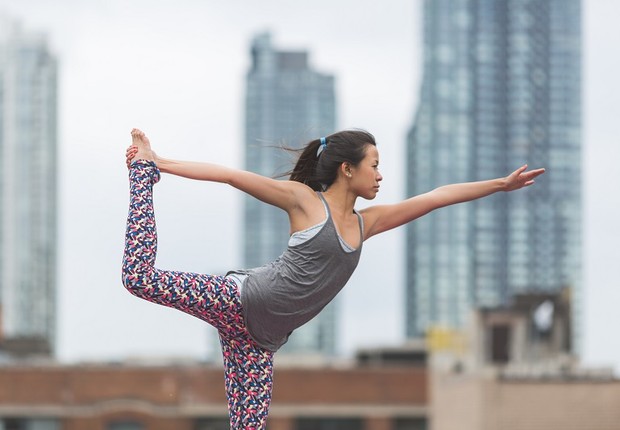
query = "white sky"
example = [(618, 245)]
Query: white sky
[(176, 70)]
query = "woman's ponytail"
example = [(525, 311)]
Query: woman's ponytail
[(305, 168)]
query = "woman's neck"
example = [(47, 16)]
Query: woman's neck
[(341, 200)]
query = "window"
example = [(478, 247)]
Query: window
[(219, 423), (29, 424), (410, 424), (500, 338), (328, 424), (125, 425)]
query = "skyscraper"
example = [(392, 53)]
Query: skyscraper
[(287, 104), (27, 192), (501, 87)]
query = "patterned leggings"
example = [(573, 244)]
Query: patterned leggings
[(214, 299)]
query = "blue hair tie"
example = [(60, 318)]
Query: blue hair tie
[(322, 146)]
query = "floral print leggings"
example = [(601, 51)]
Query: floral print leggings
[(214, 299)]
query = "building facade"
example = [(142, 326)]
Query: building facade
[(501, 88), (28, 121), (474, 402), (192, 397), (287, 104), (514, 370)]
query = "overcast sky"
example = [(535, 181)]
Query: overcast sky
[(176, 70)]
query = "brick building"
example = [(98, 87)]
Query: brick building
[(191, 397)]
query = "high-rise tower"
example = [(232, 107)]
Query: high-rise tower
[(27, 192), (501, 88), (287, 104)]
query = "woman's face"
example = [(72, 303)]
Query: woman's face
[(365, 177)]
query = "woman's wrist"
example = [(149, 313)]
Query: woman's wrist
[(162, 164), (503, 184)]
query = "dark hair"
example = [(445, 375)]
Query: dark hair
[(320, 171)]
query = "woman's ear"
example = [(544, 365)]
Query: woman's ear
[(345, 168)]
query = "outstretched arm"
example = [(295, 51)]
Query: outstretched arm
[(283, 194), (386, 217)]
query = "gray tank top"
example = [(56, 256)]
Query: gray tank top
[(281, 296)]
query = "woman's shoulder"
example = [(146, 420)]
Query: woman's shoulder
[(304, 194), (309, 208)]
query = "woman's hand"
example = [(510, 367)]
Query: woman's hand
[(129, 154), (521, 178)]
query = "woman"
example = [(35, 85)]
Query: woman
[(256, 310)]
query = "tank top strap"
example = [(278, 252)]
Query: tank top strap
[(360, 219), (327, 209)]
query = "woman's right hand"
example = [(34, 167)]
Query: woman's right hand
[(129, 154)]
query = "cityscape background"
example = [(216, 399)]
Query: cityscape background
[(177, 72)]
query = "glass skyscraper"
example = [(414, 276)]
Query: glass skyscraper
[(27, 192), (501, 88), (287, 104)]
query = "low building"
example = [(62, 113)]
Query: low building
[(191, 397), (513, 371)]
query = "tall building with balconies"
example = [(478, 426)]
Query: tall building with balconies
[(28, 159), (288, 103), (501, 88)]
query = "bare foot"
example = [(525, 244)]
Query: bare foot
[(143, 145)]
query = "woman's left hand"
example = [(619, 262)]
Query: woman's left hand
[(521, 178)]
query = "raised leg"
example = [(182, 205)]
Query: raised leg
[(213, 299)]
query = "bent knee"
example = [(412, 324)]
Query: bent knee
[(131, 282), (142, 279), (135, 279)]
